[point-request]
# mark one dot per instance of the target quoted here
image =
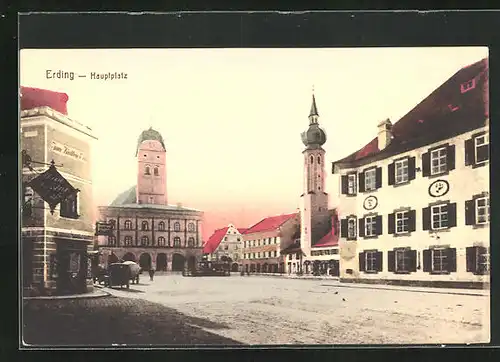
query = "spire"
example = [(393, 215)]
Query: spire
[(314, 109)]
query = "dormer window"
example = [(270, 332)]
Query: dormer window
[(467, 86)]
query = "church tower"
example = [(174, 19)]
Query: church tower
[(314, 199), (151, 168)]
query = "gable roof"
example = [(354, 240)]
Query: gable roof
[(37, 97), (445, 113), (330, 232), (215, 239), (269, 223)]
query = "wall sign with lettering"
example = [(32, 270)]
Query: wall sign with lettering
[(68, 151), (439, 188), (370, 203)]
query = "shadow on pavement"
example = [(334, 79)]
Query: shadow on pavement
[(111, 320)]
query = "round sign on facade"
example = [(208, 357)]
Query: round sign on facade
[(370, 203), (439, 188)]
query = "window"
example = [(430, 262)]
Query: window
[(177, 242), (371, 261), (370, 179), (263, 241), (370, 226), (28, 201), (478, 260), (226, 247), (482, 210), (128, 241), (161, 241), (275, 240), (402, 261), (111, 240), (177, 226), (151, 200), (258, 254), (275, 253), (351, 184), (438, 161), (191, 227), (319, 160), (253, 242), (351, 228), (147, 170), (467, 86), (144, 240), (481, 148), (191, 242), (69, 207), (311, 159), (161, 226), (238, 239), (156, 172), (144, 226), (113, 224), (128, 225), (439, 260), (402, 222), (401, 171), (439, 217)]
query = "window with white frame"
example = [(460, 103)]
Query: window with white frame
[(371, 179), (144, 240), (401, 171), (439, 217), (177, 226), (483, 260), (439, 262), (128, 241), (482, 210), (438, 161), (467, 86), (161, 226), (161, 241), (128, 225), (402, 260), (177, 242), (351, 184), (191, 227), (370, 225), (351, 228), (481, 148), (402, 218), (371, 261), (112, 240)]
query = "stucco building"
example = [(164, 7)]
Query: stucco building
[(226, 244), (414, 201), (54, 246), (147, 229)]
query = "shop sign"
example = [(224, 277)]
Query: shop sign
[(52, 187), (103, 228), (68, 151)]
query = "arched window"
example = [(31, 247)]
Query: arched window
[(145, 225), (161, 241), (191, 227), (147, 170), (319, 160), (177, 226), (191, 242), (312, 159), (111, 240), (177, 242), (128, 225), (161, 226), (113, 224), (144, 240), (156, 172), (128, 241)]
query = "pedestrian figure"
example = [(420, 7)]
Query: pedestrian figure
[(151, 274)]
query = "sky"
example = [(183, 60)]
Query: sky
[(232, 118)]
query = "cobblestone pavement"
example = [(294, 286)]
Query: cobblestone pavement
[(263, 310), (111, 320)]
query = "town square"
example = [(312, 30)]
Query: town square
[(214, 209)]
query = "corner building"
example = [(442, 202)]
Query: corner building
[(54, 246), (414, 203), (147, 229)]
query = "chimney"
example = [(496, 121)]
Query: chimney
[(384, 134)]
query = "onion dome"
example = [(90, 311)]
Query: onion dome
[(150, 135), (315, 136)]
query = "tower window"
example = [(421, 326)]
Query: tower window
[(145, 155), (312, 159), (147, 171), (156, 172), (319, 160)]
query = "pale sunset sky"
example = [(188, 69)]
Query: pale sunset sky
[(231, 118)]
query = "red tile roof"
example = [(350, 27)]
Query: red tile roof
[(215, 239), (332, 237), (35, 97), (270, 223), (444, 113)]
